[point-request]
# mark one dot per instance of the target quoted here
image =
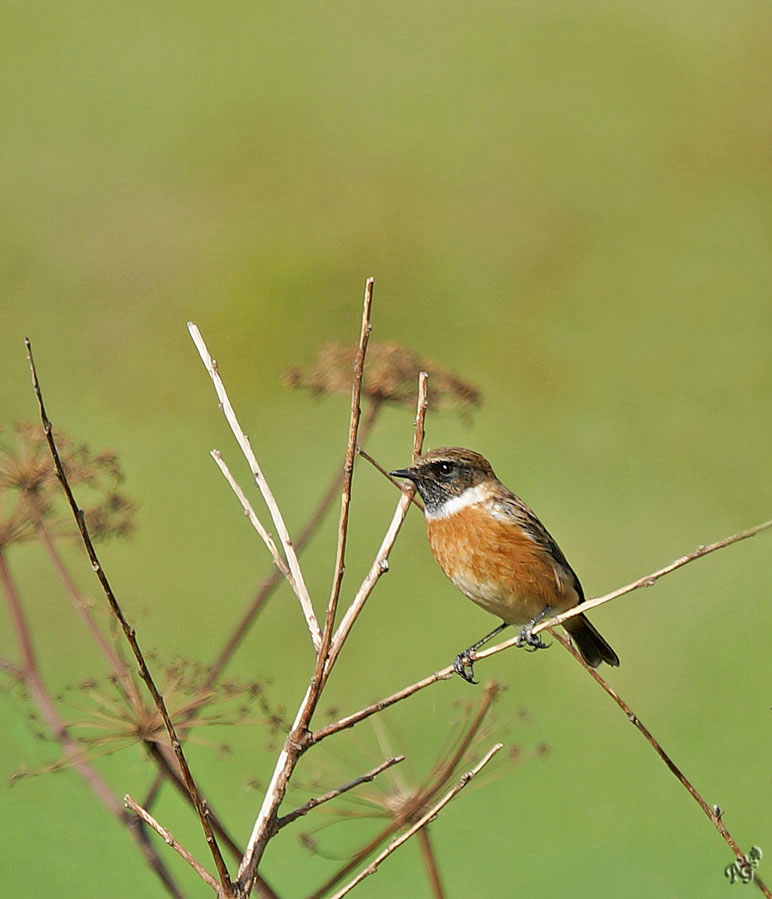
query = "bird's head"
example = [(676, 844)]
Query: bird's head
[(449, 479)]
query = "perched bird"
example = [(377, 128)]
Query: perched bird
[(498, 553)]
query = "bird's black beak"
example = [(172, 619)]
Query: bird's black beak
[(408, 473)]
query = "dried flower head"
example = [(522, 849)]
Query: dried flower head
[(400, 799), (30, 495), (390, 376), (114, 717)]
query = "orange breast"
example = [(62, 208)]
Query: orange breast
[(498, 566)]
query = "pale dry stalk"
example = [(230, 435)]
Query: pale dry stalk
[(297, 583), (338, 791), (170, 841)]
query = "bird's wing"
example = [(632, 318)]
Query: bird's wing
[(512, 508)]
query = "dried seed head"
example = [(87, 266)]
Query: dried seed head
[(390, 376), (30, 493), (113, 718)]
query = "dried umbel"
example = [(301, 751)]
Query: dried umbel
[(31, 497), (111, 718), (390, 376), (401, 799)]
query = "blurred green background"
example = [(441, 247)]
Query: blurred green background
[(567, 204)]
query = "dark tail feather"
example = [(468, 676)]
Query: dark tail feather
[(589, 642)]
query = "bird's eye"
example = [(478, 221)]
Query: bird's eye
[(444, 468)]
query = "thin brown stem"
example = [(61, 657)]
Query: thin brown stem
[(381, 564), (165, 762), (79, 603), (379, 468), (350, 720), (338, 791), (348, 477), (430, 863), (168, 770), (129, 633), (491, 692), (713, 813), (29, 672), (170, 841)]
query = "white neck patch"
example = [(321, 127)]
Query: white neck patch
[(470, 497)]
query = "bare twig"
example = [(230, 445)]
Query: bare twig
[(338, 791), (379, 468), (170, 841), (652, 578), (253, 519), (166, 764), (713, 813), (168, 770), (29, 672), (299, 585), (350, 720), (348, 476), (129, 632), (381, 564), (422, 822), (239, 632)]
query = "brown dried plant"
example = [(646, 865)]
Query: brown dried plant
[(31, 497), (111, 722), (389, 377)]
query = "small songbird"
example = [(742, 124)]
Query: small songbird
[(498, 553)]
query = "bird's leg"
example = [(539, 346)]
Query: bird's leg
[(463, 664), (527, 639)]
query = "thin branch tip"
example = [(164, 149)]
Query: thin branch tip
[(297, 581)]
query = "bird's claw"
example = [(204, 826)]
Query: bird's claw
[(529, 640), (463, 666)]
